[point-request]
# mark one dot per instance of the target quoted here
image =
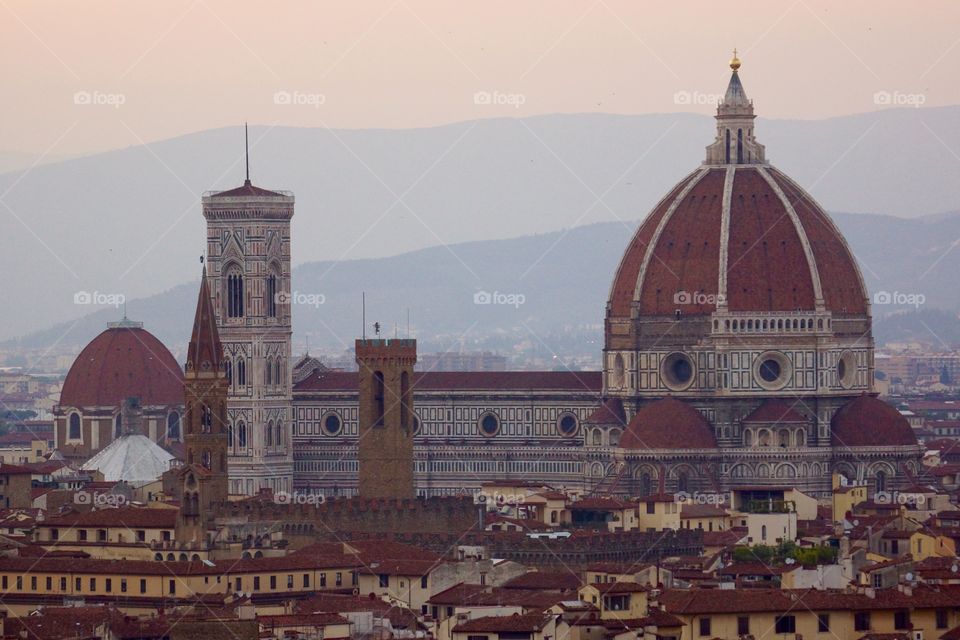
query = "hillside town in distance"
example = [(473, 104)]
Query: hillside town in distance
[(743, 463)]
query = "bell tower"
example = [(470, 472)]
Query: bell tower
[(203, 479), (248, 254), (385, 442)]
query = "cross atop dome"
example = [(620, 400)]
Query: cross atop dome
[(735, 143)]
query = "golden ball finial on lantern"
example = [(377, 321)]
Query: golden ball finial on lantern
[(734, 61)]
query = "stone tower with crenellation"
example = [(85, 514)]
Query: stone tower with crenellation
[(387, 419)]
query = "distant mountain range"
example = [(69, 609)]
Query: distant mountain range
[(129, 221), (530, 287)]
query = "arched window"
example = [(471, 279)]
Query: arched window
[(173, 425), (784, 438), (646, 484), (279, 433), (747, 438), (278, 379), (242, 435), (117, 426), (205, 459), (739, 146), (268, 436), (378, 399), (683, 481), (268, 373), (228, 370), (271, 296), (597, 437), (614, 437), (230, 436), (74, 431), (881, 481), (727, 155), (241, 372), (234, 292), (763, 532)]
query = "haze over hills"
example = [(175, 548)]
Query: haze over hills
[(563, 278), (129, 221)]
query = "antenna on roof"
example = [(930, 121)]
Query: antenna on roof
[(246, 149), (363, 312)]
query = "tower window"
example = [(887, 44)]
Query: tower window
[(378, 399), (405, 401), (241, 372), (206, 419), (242, 435), (271, 296), (234, 293)]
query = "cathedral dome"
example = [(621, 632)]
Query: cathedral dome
[(736, 235), (668, 424), (124, 361), (869, 422)]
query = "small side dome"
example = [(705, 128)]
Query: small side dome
[(869, 422), (123, 361), (668, 424), (608, 414)]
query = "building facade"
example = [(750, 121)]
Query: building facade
[(738, 353)]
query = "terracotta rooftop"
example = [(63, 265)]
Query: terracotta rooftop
[(777, 411), (668, 424), (504, 624), (867, 421), (119, 363)]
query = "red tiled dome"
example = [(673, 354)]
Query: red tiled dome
[(119, 363), (867, 422), (678, 249), (668, 424)]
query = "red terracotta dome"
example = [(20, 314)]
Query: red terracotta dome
[(668, 424), (123, 361), (869, 422), (781, 251)]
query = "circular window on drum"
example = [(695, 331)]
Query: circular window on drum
[(847, 369), (332, 424), (677, 371), (567, 425), (489, 424), (772, 370)]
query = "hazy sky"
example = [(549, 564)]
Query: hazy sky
[(94, 75)]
